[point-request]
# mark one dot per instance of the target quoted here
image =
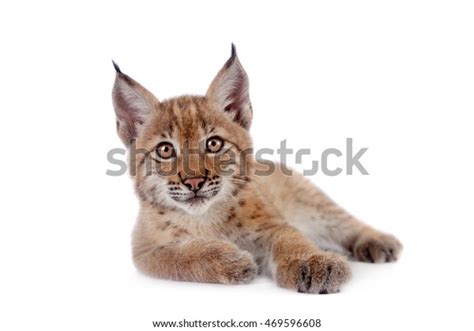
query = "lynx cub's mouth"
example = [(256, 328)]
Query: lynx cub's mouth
[(195, 199), (195, 205)]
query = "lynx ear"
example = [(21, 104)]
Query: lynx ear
[(132, 103), (230, 91)]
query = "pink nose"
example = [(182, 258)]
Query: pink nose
[(194, 184)]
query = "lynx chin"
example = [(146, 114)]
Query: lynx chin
[(214, 219)]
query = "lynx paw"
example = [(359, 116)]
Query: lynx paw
[(237, 268), (320, 273), (377, 248)]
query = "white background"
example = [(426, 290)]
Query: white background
[(397, 77)]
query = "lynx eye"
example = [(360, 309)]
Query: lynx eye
[(214, 144), (165, 150)]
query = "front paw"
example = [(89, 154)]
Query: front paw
[(236, 268), (318, 273), (377, 247)]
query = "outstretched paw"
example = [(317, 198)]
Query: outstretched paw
[(377, 248)]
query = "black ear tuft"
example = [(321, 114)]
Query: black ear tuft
[(117, 68), (233, 56)]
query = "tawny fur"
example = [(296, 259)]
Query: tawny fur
[(251, 221)]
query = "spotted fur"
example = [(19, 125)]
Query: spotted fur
[(237, 223)]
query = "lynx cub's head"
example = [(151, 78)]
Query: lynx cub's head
[(190, 151)]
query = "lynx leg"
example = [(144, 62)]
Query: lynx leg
[(208, 261), (332, 224), (297, 263), (307, 208)]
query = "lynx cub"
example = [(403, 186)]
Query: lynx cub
[(209, 212)]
